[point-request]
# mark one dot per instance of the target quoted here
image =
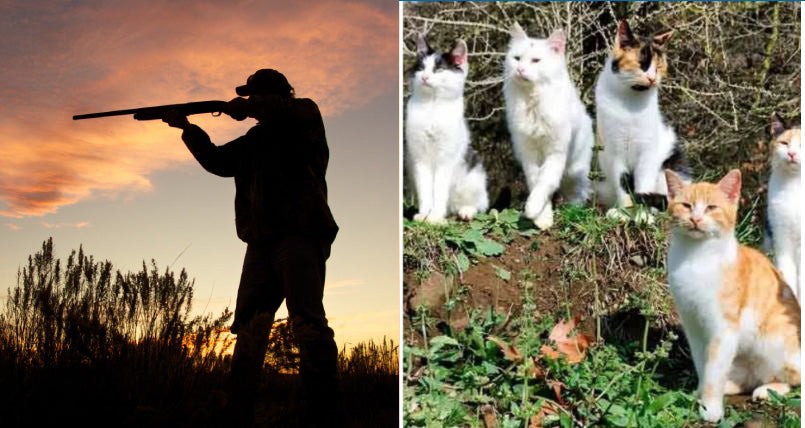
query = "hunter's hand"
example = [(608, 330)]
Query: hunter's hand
[(237, 108), (176, 119)]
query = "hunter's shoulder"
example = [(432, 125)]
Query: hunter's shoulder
[(307, 106)]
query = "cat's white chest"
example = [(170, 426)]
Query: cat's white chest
[(435, 130), (785, 206), (695, 276), (627, 123), (530, 121)]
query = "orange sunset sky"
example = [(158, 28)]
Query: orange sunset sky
[(130, 191)]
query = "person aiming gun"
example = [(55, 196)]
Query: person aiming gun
[(281, 212)]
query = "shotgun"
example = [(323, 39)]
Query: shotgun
[(157, 112)]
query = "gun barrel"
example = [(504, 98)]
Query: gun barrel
[(157, 112)]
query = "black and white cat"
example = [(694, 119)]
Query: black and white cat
[(551, 132), (447, 174)]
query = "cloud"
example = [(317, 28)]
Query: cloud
[(79, 225), (344, 286), (62, 59), (12, 226)]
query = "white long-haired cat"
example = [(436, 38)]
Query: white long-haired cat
[(636, 141), (447, 173), (784, 201), (551, 132)]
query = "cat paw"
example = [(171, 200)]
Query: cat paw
[(643, 217), (436, 220), (467, 213), (711, 412), (544, 220), (618, 214), (762, 392), (532, 211)]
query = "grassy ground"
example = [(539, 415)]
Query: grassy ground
[(489, 339)]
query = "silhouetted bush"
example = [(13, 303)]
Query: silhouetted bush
[(82, 342)]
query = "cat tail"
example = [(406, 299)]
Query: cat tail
[(677, 160), (575, 185), (768, 237), (468, 194)]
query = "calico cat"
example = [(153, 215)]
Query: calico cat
[(448, 175), (741, 324), (784, 200), (635, 139), (551, 132)]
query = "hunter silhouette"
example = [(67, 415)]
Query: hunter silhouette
[(281, 212)]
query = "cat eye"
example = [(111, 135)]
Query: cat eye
[(535, 60), (517, 58), (711, 207), (686, 205), (785, 143)]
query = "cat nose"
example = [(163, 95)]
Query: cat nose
[(520, 70), (792, 156), (651, 80), (695, 220)]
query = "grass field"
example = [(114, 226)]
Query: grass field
[(507, 326)]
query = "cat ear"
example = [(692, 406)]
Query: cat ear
[(662, 38), (517, 32), (557, 41), (459, 52), (776, 125), (624, 36), (674, 183), (422, 46), (731, 185)]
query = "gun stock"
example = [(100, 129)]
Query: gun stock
[(157, 112)]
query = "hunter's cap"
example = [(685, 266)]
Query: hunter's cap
[(265, 82)]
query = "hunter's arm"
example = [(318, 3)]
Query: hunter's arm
[(219, 160)]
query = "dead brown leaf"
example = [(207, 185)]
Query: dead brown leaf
[(572, 346), (488, 415), (547, 409), (537, 371), (509, 351), (557, 390)]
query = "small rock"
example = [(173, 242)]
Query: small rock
[(431, 293)]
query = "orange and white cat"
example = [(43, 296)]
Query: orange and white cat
[(742, 328)]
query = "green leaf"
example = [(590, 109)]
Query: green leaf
[(472, 235), (439, 342), (565, 421), (662, 401), (509, 216), (463, 262), (502, 273), (489, 247)]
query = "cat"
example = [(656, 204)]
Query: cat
[(448, 175), (636, 142), (551, 133), (783, 205), (741, 324)]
